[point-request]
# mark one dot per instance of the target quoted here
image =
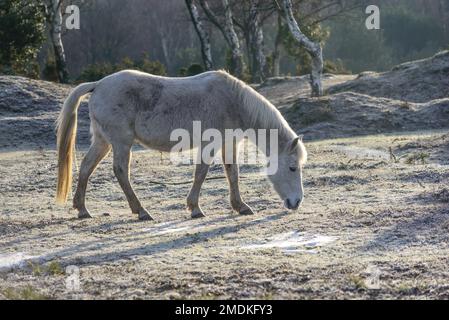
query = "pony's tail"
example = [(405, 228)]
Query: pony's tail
[(66, 134)]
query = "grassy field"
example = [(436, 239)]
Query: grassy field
[(374, 224)]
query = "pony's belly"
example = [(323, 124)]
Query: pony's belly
[(156, 145), (155, 134), (156, 130)]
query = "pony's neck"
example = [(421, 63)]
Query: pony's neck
[(275, 141), (261, 114)]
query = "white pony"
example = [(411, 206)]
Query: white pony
[(131, 106)]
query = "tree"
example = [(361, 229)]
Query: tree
[(53, 16), (313, 48), (313, 31), (202, 34), (230, 35), (256, 43), (22, 28), (237, 56), (249, 17), (276, 55), (109, 33), (166, 31), (310, 13)]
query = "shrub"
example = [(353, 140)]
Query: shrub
[(50, 72), (416, 158), (26, 293), (314, 32), (182, 72), (149, 66), (22, 27), (95, 72), (336, 67), (192, 70)]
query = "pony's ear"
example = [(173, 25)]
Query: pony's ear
[(293, 144), (301, 137)]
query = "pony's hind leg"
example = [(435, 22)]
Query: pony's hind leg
[(194, 194), (97, 151), (122, 157)]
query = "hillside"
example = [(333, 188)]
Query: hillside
[(415, 81), (28, 111), (413, 96)]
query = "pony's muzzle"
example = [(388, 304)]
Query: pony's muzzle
[(292, 204)]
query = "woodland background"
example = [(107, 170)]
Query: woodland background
[(159, 37)]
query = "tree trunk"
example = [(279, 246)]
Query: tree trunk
[(237, 65), (313, 48), (202, 35), (165, 51), (256, 39), (54, 19), (248, 53), (276, 52), (213, 19)]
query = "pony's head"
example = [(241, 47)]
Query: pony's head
[(287, 180)]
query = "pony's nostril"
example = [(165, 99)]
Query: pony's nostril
[(298, 202), (292, 204)]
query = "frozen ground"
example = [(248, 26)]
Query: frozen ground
[(376, 210), (361, 211)]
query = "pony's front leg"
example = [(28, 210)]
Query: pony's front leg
[(201, 171), (232, 173), (230, 159)]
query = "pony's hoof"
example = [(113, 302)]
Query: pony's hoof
[(197, 213), (144, 215), (246, 211), (84, 214)]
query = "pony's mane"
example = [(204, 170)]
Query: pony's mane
[(261, 112)]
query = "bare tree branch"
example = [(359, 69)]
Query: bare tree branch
[(256, 42), (54, 22), (313, 48), (214, 19), (202, 34)]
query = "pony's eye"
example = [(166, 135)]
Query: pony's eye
[(293, 169)]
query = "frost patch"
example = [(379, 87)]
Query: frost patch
[(13, 260), (292, 242), (171, 230), (363, 153), (172, 227)]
